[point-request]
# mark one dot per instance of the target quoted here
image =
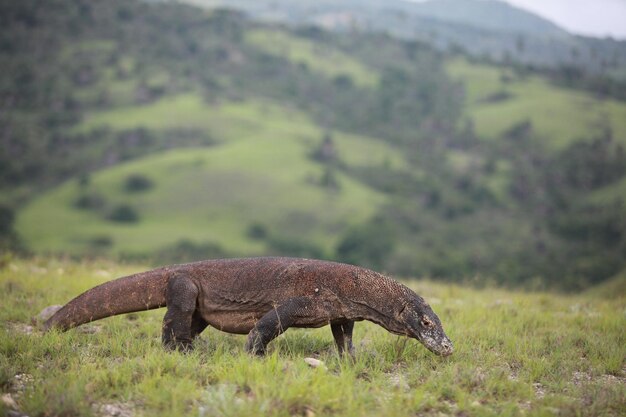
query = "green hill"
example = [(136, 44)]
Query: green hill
[(259, 174)]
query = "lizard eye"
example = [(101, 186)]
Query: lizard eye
[(427, 322)]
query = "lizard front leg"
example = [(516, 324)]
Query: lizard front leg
[(181, 299), (276, 321)]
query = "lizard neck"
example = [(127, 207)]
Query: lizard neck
[(381, 300)]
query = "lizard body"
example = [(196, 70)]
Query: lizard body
[(261, 297)]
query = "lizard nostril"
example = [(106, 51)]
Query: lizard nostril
[(447, 346)]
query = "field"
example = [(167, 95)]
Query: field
[(517, 354)]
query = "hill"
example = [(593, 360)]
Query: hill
[(168, 133), (491, 15), (515, 353), (261, 176), (493, 29)]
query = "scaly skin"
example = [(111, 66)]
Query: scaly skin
[(261, 297)]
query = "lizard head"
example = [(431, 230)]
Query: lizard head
[(423, 324)]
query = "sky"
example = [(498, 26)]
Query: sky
[(599, 18), (587, 17)]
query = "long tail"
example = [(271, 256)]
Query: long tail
[(138, 292)]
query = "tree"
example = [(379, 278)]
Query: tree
[(368, 244)]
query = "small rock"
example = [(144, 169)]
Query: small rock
[(539, 390), (103, 273), (89, 329), (314, 363), (21, 381), (580, 378), (398, 381), (114, 410), (501, 302), (48, 312), (23, 328), (611, 379), (8, 401)]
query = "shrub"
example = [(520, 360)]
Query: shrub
[(89, 202), (101, 242), (84, 180), (9, 239), (329, 180), (188, 251), (124, 214), (137, 183), (326, 151), (7, 217), (368, 245), (257, 231), (290, 246)]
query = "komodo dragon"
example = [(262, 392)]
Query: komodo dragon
[(261, 297)]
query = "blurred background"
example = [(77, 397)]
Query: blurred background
[(461, 140)]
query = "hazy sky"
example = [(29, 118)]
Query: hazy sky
[(588, 17)]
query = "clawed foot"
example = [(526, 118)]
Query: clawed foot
[(254, 346), (178, 345), (347, 355)]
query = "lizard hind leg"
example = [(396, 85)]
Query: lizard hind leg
[(179, 326), (198, 324), (342, 332)]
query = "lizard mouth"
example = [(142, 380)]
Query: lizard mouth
[(446, 349)]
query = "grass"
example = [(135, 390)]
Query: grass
[(516, 354), (199, 195), (608, 195), (558, 115), (214, 194)]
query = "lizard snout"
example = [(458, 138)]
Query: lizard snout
[(447, 348)]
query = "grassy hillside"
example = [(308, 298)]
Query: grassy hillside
[(316, 57), (532, 354), (497, 99), (259, 173)]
